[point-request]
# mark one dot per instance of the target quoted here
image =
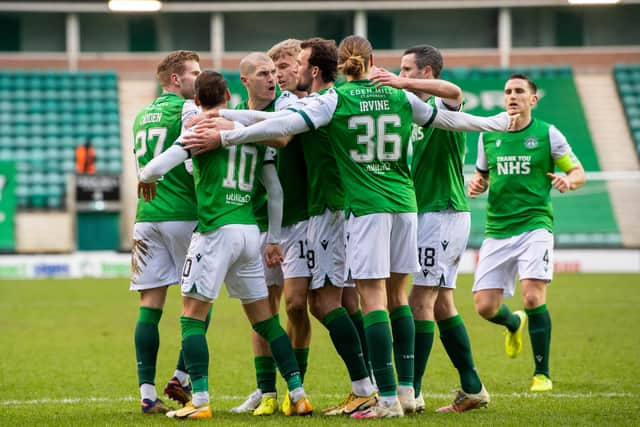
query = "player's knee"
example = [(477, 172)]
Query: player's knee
[(486, 309), (532, 300), (297, 310)]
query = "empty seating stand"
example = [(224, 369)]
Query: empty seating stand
[(44, 115), (628, 81)]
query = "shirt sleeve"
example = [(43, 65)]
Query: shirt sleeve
[(440, 104), (482, 165), (458, 121), (285, 100), (189, 109), (423, 113), (561, 152), (271, 182), (292, 124), (319, 110), (249, 117), (163, 163)]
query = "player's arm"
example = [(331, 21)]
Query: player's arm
[(480, 180), (269, 178), (449, 92), (160, 165), (316, 114), (566, 161), (425, 115)]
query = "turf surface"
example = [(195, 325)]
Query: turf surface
[(68, 359)]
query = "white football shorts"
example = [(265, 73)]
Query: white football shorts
[(325, 257), (158, 253), (294, 248), (530, 254), (229, 254), (442, 239), (379, 244)]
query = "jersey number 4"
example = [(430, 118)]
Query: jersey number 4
[(376, 142), (241, 167)]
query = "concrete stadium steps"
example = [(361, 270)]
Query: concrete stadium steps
[(614, 146)]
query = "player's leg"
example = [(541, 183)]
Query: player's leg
[(263, 400), (296, 285), (455, 340), (422, 300), (424, 294), (245, 281), (495, 278), (152, 272), (535, 268), (403, 263), (368, 264), (176, 236), (325, 237), (351, 302), (204, 271)]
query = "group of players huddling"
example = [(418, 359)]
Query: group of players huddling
[(338, 197)]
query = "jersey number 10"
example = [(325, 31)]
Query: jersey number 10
[(237, 175)]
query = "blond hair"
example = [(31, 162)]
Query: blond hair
[(174, 64), (289, 47), (354, 56)]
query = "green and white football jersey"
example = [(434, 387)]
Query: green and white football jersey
[(437, 166), (155, 129), (323, 177), (369, 129), (518, 163), (281, 102), (226, 180)]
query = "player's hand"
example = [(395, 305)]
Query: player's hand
[(273, 255), (202, 140), (513, 121), (146, 190), (559, 182), (383, 77), (197, 118), (477, 186)]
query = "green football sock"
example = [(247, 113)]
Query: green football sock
[(505, 317), (346, 341), (455, 340), (196, 352), (358, 322), (540, 334), (423, 344), (378, 333), (404, 335), (265, 373), (180, 366), (281, 350), (147, 341), (302, 357)]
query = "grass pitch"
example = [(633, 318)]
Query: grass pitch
[(68, 359)]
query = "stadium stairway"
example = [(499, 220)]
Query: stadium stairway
[(614, 146)]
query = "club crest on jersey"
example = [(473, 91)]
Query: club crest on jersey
[(531, 142), (498, 143)]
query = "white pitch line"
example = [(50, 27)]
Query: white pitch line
[(73, 400)]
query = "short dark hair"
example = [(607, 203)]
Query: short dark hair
[(526, 78), (211, 88), (324, 55), (427, 55)]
